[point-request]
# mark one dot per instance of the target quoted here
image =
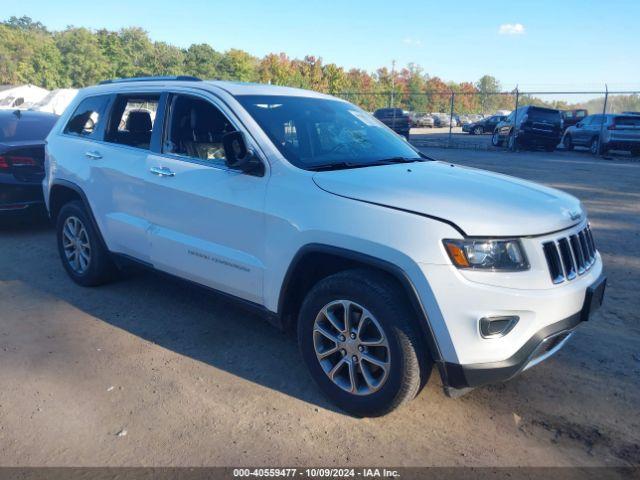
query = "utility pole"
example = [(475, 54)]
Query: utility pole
[(393, 81)]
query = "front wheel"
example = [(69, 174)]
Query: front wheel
[(512, 143), (478, 130), (361, 344), (495, 139)]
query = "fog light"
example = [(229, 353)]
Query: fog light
[(495, 327)]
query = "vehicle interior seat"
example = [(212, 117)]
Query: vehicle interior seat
[(200, 133), (139, 126)]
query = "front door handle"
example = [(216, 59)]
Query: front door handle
[(162, 171), (95, 155)]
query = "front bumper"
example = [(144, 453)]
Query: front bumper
[(538, 348)]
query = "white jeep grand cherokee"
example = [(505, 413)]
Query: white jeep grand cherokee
[(310, 210)]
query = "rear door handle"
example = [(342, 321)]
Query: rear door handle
[(95, 155), (162, 171)]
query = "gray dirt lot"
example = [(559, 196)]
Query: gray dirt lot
[(196, 380)]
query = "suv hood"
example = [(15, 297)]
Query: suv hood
[(478, 202)]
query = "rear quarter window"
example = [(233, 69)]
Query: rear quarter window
[(88, 117), (628, 121)]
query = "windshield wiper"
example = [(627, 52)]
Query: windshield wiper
[(346, 165), (386, 161), (336, 166)]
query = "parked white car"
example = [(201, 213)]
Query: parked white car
[(310, 210)]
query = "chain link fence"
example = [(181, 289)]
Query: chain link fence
[(453, 119)]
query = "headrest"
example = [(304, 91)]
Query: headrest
[(206, 121), (139, 121)]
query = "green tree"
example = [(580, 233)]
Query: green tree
[(238, 65), (336, 80), (9, 57), (166, 59), (137, 51), (82, 60), (44, 66), (416, 83), (488, 88), (202, 61), (26, 24)]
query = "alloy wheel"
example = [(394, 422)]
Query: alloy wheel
[(76, 245), (351, 347)]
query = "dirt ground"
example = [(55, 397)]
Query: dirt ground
[(149, 371)]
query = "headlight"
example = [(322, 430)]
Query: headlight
[(483, 254)]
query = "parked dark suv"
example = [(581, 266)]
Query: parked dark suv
[(529, 126), (396, 119)]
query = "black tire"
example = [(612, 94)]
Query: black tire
[(549, 148), (567, 142), (495, 139), (512, 142), (635, 152), (409, 361), (100, 268), (596, 149), (478, 130)]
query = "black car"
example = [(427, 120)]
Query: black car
[(529, 126), (22, 135), (486, 125), (396, 119)]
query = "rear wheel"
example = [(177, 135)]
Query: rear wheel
[(478, 130), (361, 344), (567, 142), (595, 148), (81, 250)]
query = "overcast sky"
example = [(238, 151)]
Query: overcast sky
[(540, 45)]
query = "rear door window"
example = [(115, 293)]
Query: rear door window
[(88, 117)]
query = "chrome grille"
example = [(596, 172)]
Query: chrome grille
[(568, 257)]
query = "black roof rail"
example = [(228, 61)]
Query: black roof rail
[(187, 78)]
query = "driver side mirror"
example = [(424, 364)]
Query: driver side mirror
[(239, 156)]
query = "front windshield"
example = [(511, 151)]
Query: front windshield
[(316, 132)]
